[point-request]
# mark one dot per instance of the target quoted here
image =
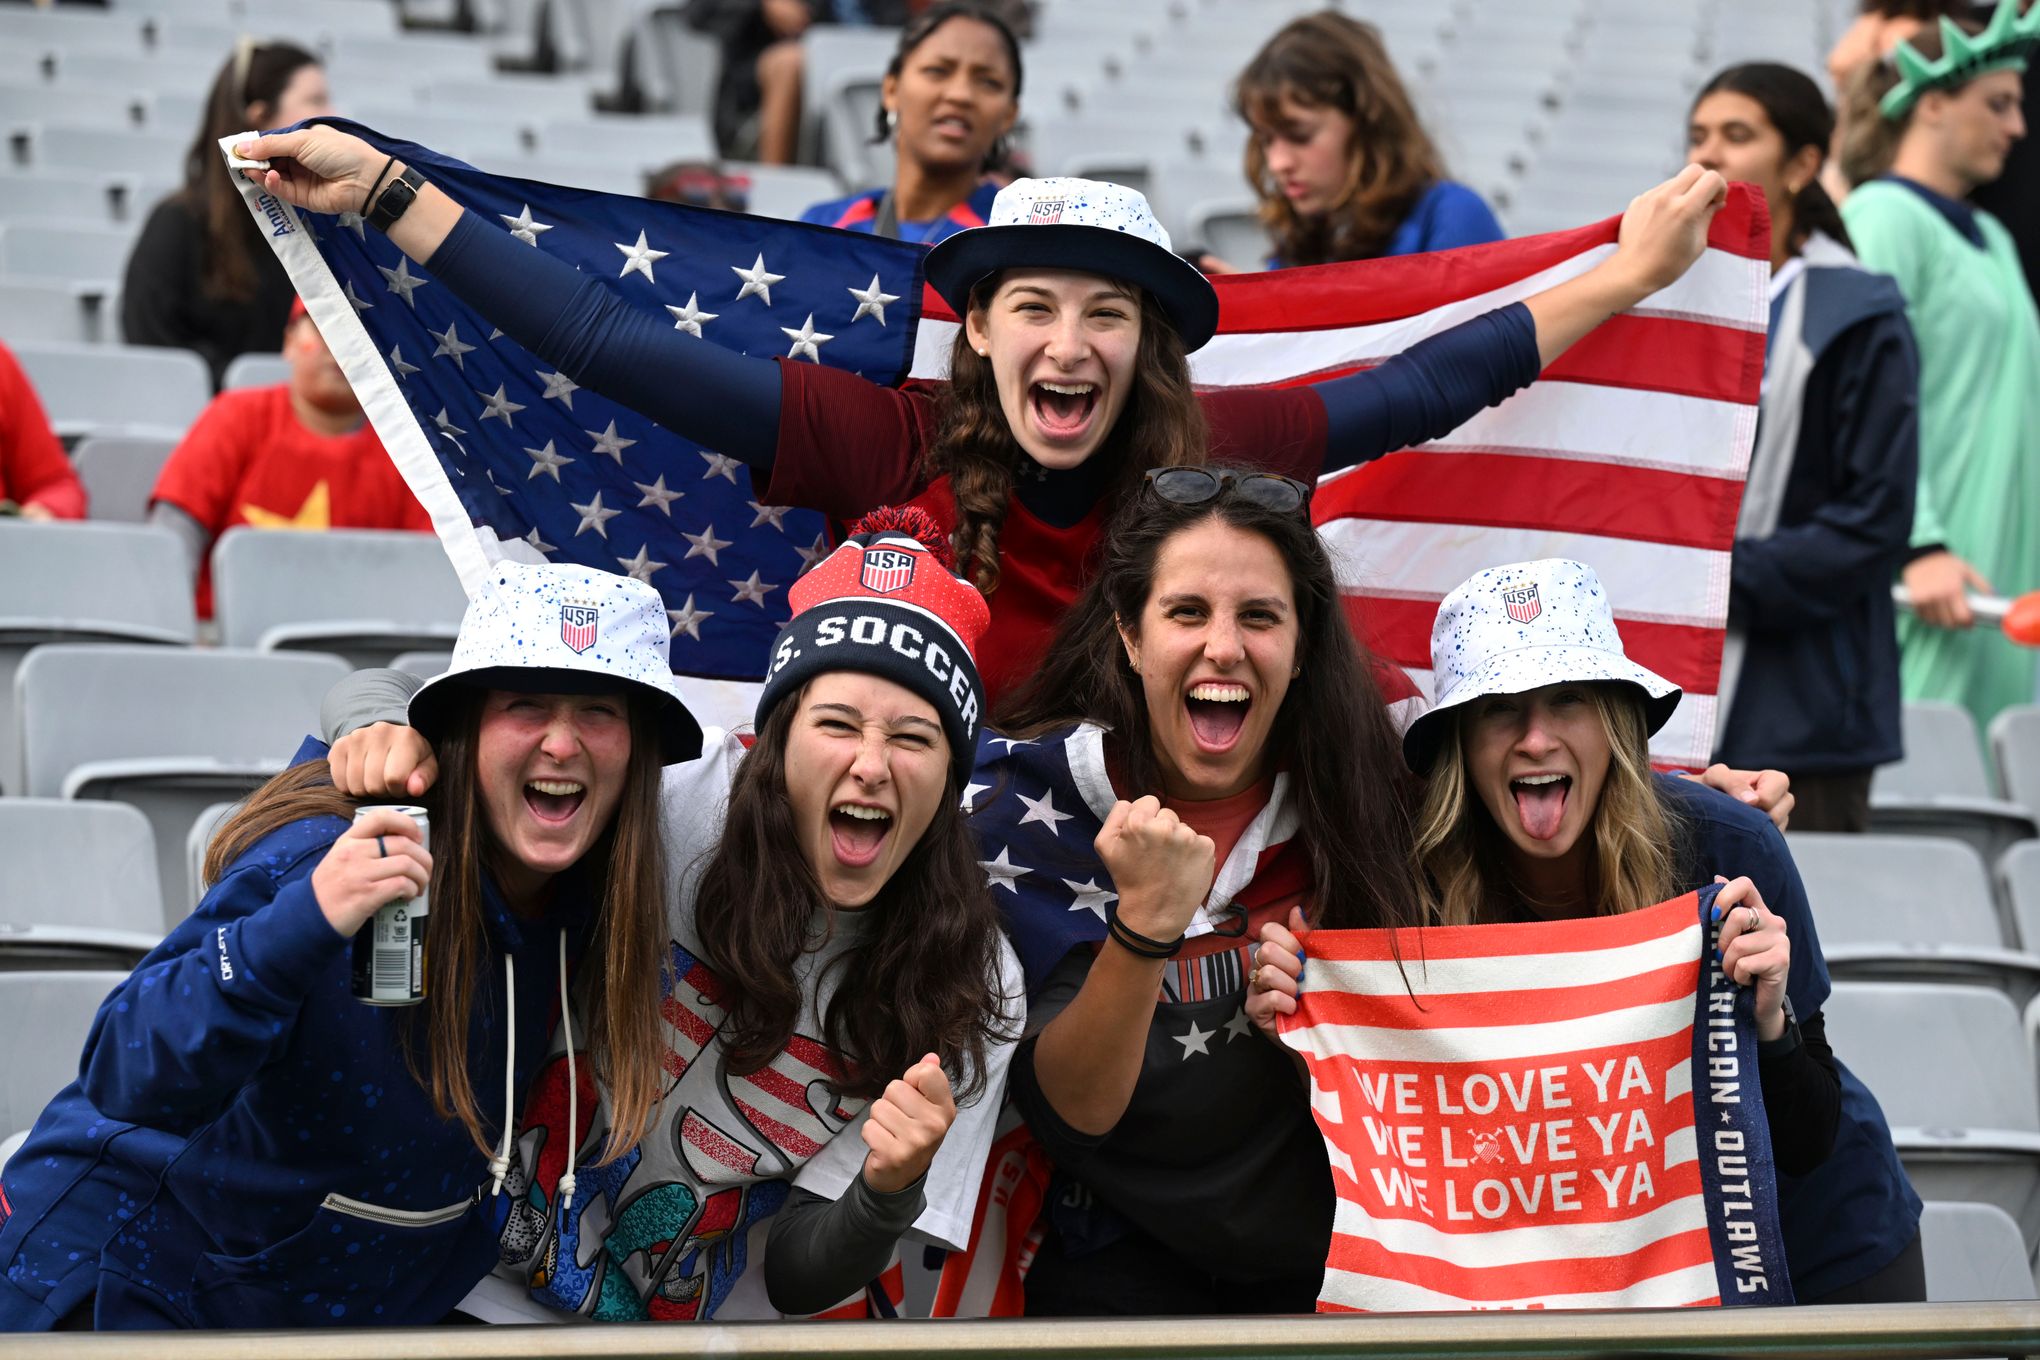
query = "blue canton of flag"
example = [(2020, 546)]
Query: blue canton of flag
[(513, 459)]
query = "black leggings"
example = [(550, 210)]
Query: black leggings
[(1903, 1281)]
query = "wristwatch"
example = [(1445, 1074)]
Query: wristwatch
[(396, 199), (1786, 1042)]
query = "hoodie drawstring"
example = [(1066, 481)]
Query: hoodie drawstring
[(566, 1184), (499, 1165)]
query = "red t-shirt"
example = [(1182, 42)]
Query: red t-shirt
[(33, 468), (247, 460), (847, 446)]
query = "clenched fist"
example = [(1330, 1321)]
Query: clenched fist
[(907, 1124), (1161, 867)]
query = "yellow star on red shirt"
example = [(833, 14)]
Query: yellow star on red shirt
[(315, 513)]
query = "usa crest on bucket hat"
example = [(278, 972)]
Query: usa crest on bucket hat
[(564, 629), (1082, 224), (1512, 629)]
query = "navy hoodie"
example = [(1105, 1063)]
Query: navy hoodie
[(1818, 690), (245, 1145)]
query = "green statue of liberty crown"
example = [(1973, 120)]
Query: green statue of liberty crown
[(2003, 46)]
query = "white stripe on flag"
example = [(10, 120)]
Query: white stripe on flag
[(1377, 1295), (1680, 1147), (1524, 1246), (1505, 1043), (1679, 1079), (1626, 427), (1513, 973)]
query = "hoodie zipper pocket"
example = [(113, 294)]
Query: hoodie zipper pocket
[(399, 1218)]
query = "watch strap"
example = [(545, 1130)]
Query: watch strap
[(394, 200)]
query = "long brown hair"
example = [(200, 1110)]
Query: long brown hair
[(620, 978), (925, 980), (1796, 108), (1333, 734), (256, 73), (1328, 60), (1459, 848), (1161, 425)]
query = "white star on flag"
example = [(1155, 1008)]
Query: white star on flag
[(807, 341), (535, 541), (768, 514), (751, 591), (402, 281), (450, 345), (610, 442), (690, 318), (638, 258), (970, 793), (1002, 872), (402, 369), (1042, 810), (642, 566), (687, 619), (352, 221), (500, 406), (523, 227), (1088, 896), (546, 461), (814, 552), (593, 516), (558, 386), (657, 495), (871, 302), (355, 298), (719, 466), (705, 544), (1010, 742), (1196, 1041), (445, 426), (756, 280)]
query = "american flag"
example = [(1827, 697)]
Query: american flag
[(1548, 1115), (1629, 455)]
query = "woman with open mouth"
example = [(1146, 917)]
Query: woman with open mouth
[(841, 1003), (247, 1145), (1068, 378), (1541, 805)]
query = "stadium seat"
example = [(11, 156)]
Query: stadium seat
[(574, 174), (841, 71), (46, 309), (1911, 908), (485, 142), (784, 191), (119, 472), (171, 731), (643, 143), (83, 582), (361, 593), (677, 65), (53, 196), (425, 665), (66, 147), (1941, 787), (2015, 745), (43, 29), (92, 253), (117, 388), (196, 842), (316, 23), (81, 885), (1231, 229), (256, 370), (1952, 1069), (1973, 1252), (524, 101), (51, 1015)]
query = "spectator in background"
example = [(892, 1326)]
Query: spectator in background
[(952, 93), (1343, 167), (201, 277), (1936, 135), (299, 455), (36, 479), (1810, 672), (761, 70), (1880, 26), (2014, 197)]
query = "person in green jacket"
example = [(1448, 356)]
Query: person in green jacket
[(1940, 118)]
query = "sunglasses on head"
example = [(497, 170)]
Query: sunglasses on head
[(1195, 485)]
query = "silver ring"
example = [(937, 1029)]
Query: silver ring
[(381, 849), (1254, 955)]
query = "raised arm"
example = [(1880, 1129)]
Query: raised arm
[(701, 391)]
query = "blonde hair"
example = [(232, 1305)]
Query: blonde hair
[(1460, 870)]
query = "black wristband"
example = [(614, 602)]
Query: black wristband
[(1133, 942), (1771, 1050), (384, 174), (395, 200)]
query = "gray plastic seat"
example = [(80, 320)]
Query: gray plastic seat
[(68, 252), (117, 388), (1953, 1071), (424, 665), (43, 309), (119, 472), (1911, 908), (83, 582), (1941, 788), (53, 196), (1230, 229), (2015, 745), (81, 885), (2018, 881), (50, 1015), (364, 594), (170, 731), (196, 842), (64, 146), (784, 191), (643, 143), (256, 370), (1973, 1252)]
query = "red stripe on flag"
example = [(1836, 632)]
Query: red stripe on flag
[(1514, 937), (1560, 495), (1484, 1284), (1467, 1010), (1672, 1184), (1668, 354), (1400, 629)]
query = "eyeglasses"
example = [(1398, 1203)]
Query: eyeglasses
[(1195, 485)]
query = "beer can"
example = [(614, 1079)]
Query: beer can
[(389, 952)]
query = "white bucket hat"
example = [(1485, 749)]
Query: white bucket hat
[(564, 629), (1512, 629), (1082, 224)]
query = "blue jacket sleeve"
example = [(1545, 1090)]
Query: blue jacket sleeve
[(1459, 217), (699, 390), (1862, 425), (1430, 389), (199, 1018)]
